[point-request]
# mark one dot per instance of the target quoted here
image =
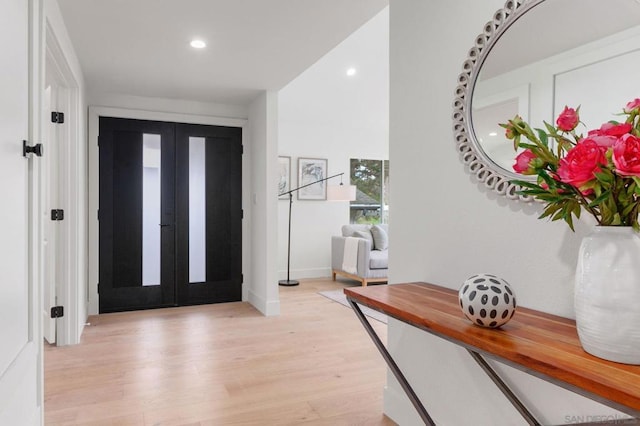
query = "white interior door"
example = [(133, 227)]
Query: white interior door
[(20, 350)]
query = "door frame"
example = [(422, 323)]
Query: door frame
[(54, 143), (95, 112), (70, 294)]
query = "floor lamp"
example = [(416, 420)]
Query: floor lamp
[(337, 193)]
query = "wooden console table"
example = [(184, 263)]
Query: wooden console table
[(537, 343)]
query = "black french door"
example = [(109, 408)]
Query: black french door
[(170, 218), (209, 225)]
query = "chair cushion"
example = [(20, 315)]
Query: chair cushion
[(364, 234), (379, 259), (380, 237), (348, 230)]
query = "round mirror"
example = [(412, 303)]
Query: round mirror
[(533, 58)]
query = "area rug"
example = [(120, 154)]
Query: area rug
[(338, 296)]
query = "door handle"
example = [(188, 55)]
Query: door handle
[(162, 225), (35, 149)]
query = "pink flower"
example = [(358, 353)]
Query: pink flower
[(581, 163), (631, 106), (626, 155), (522, 164), (608, 133), (602, 141), (568, 119), (612, 129)]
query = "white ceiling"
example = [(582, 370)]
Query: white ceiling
[(141, 47)]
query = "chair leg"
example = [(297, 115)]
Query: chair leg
[(334, 275), (364, 282)]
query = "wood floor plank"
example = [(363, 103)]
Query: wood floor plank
[(223, 364)]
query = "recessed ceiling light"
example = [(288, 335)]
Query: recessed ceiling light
[(351, 72), (198, 44), (493, 134)]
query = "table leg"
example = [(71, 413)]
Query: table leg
[(392, 365), (504, 388)]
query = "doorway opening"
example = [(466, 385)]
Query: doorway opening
[(170, 214)]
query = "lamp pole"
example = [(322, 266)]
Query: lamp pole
[(289, 281)]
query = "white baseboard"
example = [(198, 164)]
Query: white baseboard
[(398, 407), (267, 307), (296, 274)]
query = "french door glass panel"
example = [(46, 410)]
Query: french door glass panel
[(197, 211), (151, 209)]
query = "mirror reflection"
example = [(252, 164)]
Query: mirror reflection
[(561, 52)]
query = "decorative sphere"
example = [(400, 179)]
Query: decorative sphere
[(487, 300)]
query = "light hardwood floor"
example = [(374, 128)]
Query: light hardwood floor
[(223, 364)]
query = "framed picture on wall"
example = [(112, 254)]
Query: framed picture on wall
[(284, 176), (312, 170)]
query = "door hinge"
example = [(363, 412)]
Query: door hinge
[(57, 312), (241, 149), (57, 214), (242, 214), (57, 117), (241, 278), (98, 287)]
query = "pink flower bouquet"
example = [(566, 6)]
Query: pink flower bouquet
[(599, 172)]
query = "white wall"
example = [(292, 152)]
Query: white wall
[(446, 227), (323, 113), (263, 134), (166, 105)]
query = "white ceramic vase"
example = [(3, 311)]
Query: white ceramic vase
[(607, 294)]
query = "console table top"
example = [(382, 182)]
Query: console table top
[(538, 343)]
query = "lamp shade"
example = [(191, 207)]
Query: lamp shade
[(341, 192)]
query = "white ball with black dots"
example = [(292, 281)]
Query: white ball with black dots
[(487, 300)]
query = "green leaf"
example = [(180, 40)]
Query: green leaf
[(549, 210), (551, 182), (600, 199), (550, 128), (631, 189), (530, 146), (616, 220), (525, 184), (569, 221), (543, 137), (558, 215), (606, 214), (628, 209), (605, 177), (577, 210)]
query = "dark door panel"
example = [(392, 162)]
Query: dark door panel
[(126, 149), (221, 280)]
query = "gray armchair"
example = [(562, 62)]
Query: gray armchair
[(372, 264)]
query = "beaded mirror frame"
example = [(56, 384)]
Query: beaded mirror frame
[(472, 155)]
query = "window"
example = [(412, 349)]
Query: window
[(371, 178)]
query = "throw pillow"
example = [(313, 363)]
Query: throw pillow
[(364, 234), (380, 238)]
